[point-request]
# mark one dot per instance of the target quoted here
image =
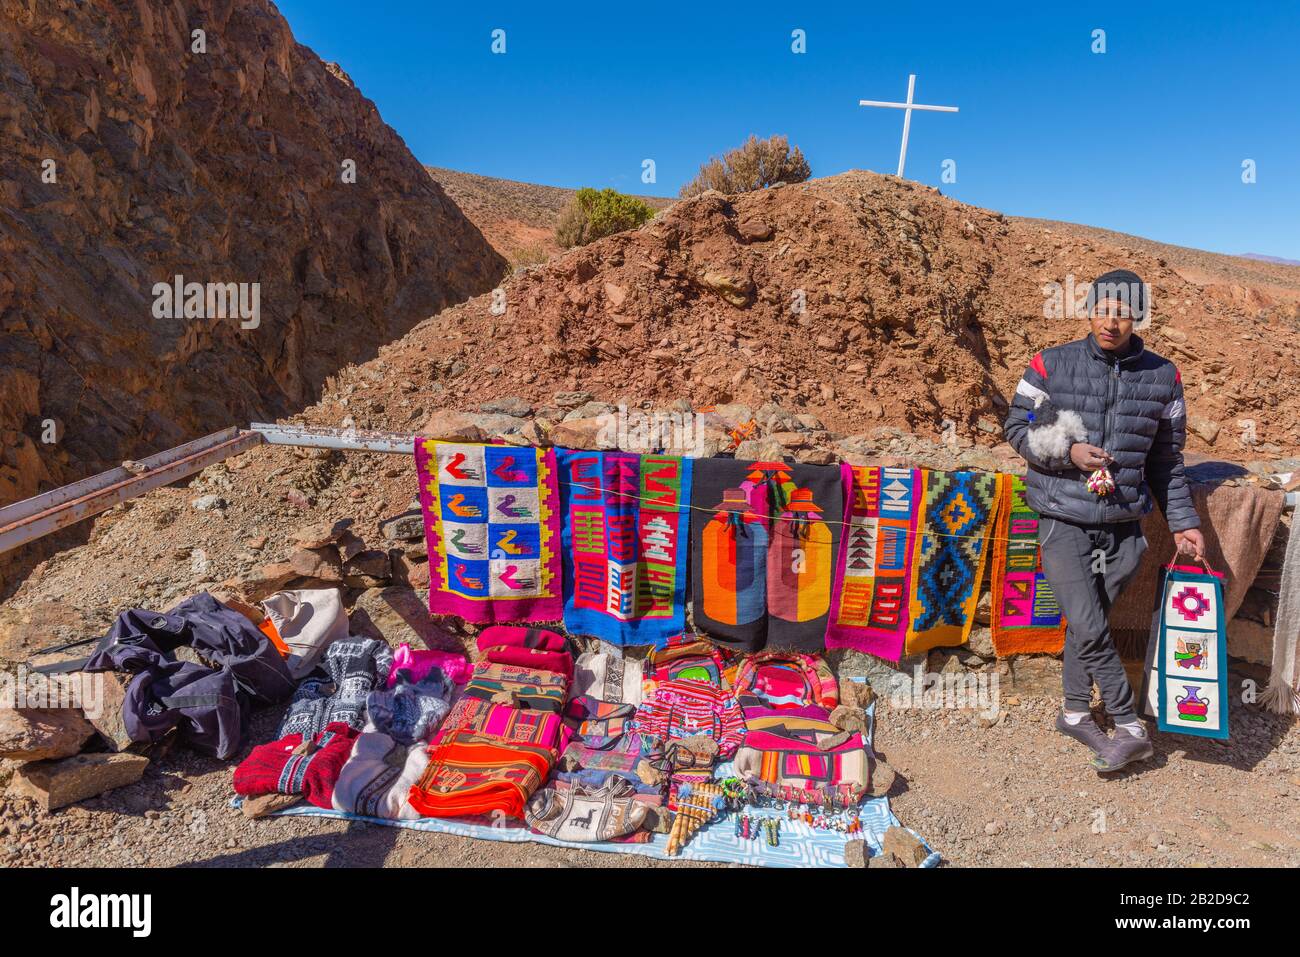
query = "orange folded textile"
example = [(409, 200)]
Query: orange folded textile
[(471, 775), (488, 758)]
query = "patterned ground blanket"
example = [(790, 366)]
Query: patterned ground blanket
[(801, 845)]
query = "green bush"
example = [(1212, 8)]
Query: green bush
[(755, 165), (594, 214)]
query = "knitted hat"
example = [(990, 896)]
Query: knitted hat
[(1121, 285)]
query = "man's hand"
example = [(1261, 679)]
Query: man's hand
[(1089, 458), (1191, 542)]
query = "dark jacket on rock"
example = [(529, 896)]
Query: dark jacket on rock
[(1132, 407), (207, 704)]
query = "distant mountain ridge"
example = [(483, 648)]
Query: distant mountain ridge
[(1279, 260)]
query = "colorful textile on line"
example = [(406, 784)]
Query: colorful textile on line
[(492, 520), (873, 582), (1026, 616), (958, 510), (1186, 684), (625, 523), (764, 560)]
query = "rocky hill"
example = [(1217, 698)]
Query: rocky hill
[(143, 141), (1253, 281), (517, 218), (859, 299)]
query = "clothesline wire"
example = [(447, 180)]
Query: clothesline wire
[(714, 511)]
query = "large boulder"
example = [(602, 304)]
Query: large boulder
[(56, 784), (399, 614), (32, 734)]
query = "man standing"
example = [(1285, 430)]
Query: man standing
[(1101, 423)]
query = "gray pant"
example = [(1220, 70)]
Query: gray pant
[(1088, 566)]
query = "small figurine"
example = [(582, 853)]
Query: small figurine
[(772, 827)]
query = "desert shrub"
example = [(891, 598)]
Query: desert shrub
[(594, 214), (756, 164)]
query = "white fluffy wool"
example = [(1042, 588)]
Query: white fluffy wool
[(1054, 441)]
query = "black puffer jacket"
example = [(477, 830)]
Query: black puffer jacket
[(1131, 406)]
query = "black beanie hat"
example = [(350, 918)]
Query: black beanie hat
[(1122, 285)]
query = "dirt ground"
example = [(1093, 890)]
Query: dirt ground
[(1014, 794)]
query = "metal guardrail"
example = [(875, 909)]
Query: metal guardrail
[(51, 511), (353, 440)]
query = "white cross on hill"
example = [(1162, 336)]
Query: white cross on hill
[(908, 107)]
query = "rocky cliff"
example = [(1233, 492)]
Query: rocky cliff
[(148, 140)]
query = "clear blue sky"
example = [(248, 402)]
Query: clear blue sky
[(1146, 138)]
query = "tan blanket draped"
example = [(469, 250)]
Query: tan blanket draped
[(1238, 522), (1283, 692)]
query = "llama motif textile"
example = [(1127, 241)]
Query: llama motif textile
[(763, 545), (1026, 617), (874, 579), (625, 523), (492, 520), (958, 510), (1186, 687)]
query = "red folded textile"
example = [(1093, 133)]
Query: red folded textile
[(513, 636), (560, 662), (492, 760)]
